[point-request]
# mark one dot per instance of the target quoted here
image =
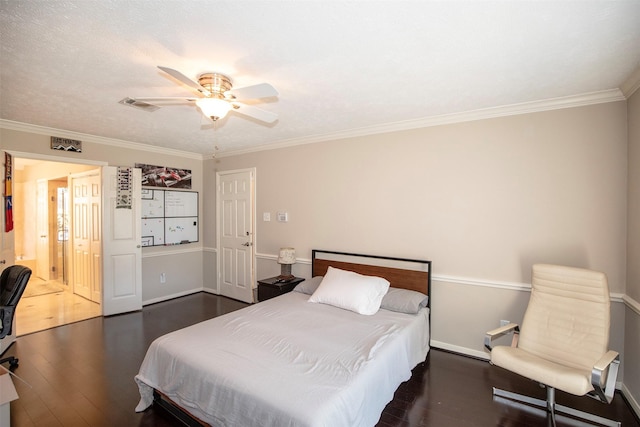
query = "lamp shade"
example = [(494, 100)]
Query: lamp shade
[(214, 108), (287, 256)]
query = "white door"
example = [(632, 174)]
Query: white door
[(122, 252), (86, 239), (6, 247), (42, 230), (235, 231)]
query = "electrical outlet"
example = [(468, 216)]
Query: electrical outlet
[(504, 322), (163, 278)]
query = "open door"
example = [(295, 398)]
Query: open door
[(122, 252), (86, 237)]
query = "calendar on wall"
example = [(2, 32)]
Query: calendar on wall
[(169, 217)]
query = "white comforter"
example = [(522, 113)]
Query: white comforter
[(286, 362)]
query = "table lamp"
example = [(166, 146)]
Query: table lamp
[(286, 258)]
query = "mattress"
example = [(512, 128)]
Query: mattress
[(286, 362)]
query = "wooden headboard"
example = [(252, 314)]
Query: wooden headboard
[(400, 272)]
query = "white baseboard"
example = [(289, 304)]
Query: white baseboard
[(632, 401), (461, 350), (172, 296)]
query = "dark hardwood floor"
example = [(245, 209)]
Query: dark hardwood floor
[(82, 375)]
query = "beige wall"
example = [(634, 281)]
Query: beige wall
[(483, 200), (182, 265), (632, 326)]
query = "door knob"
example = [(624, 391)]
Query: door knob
[(247, 244)]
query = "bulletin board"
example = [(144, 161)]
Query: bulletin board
[(169, 217)]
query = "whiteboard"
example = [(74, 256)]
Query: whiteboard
[(180, 230), (152, 204), (180, 203), (169, 217), (152, 231)]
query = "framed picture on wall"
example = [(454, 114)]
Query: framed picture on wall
[(66, 144), (164, 176)]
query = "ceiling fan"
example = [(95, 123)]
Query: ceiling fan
[(216, 96)]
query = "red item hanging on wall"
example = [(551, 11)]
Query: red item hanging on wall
[(8, 200)]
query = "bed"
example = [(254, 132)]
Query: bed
[(295, 361)]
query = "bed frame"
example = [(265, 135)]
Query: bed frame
[(400, 272)]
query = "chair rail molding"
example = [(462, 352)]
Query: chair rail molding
[(170, 252), (631, 303)]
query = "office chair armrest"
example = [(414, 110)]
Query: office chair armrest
[(502, 330), (604, 375), (6, 320)]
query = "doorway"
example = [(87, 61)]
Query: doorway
[(52, 225), (43, 237)]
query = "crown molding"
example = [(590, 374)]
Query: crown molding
[(591, 98), (632, 84), (112, 142)]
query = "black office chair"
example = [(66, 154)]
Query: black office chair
[(13, 281)]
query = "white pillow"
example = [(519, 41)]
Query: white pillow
[(351, 291)]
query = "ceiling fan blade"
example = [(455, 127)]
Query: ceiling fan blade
[(256, 113), (184, 79), (262, 90)]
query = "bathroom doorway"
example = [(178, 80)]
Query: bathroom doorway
[(43, 236)]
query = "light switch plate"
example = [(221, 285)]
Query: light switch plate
[(283, 216), (266, 216)]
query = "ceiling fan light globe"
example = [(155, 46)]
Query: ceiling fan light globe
[(214, 108)]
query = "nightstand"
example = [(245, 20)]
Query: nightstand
[(269, 288)]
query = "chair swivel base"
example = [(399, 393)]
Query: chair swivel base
[(552, 407), (12, 361)]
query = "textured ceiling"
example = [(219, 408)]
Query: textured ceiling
[(339, 66)]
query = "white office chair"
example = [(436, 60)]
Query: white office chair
[(563, 342)]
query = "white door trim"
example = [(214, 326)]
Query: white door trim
[(253, 223), (56, 159)]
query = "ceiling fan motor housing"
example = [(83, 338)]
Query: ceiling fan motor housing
[(215, 83)]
